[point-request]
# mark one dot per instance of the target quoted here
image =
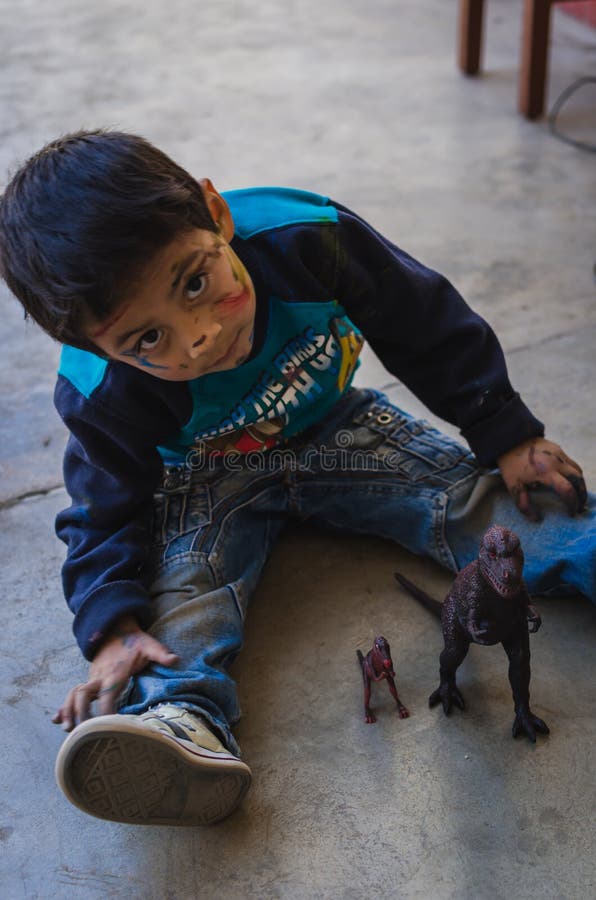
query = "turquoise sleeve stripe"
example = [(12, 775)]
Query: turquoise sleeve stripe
[(84, 370), (261, 209)]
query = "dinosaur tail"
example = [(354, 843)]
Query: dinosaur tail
[(428, 602), (360, 658)]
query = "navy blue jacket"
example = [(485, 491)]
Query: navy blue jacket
[(319, 271)]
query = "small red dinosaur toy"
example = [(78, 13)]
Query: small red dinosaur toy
[(377, 665)]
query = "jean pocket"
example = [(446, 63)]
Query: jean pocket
[(436, 449), (411, 448), (179, 510)]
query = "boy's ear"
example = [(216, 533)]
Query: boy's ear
[(219, 209)]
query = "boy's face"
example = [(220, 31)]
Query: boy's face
[(191, 313)]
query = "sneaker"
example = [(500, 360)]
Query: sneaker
[(164, 767)]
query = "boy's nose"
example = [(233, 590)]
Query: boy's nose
[(195, 347), (197, 344)]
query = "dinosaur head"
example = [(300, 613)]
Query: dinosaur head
[(501, 560), (382, 652)]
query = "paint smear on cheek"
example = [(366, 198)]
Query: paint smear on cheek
[(230, 305), (142, 360)]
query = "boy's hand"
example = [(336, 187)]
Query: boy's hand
[(538, 461), (125, 652)]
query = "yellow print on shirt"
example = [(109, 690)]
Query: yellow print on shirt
[(350, 344)]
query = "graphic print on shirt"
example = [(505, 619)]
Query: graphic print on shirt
[(312, 365)]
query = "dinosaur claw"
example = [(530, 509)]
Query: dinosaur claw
[(447, 695), (458, 699), (527, 723), (434, 698), (540, 726), (527, 730)]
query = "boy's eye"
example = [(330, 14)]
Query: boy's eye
[(150, 339), (195, 285)]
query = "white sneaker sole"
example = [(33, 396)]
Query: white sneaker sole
[(116, 768)]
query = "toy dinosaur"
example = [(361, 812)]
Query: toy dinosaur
[(488, 603), (376, 666)]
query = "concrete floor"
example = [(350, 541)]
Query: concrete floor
[(362, 102)]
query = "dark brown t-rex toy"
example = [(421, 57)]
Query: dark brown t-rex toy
[(488, 604), (376, 666)]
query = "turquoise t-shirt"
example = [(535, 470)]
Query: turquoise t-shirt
[(306, 362)]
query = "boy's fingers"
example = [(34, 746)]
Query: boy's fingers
[(572, 491), (107, 695), (524, 504), (570, 488), (68, 714), (579, 486), (65, 715), (77, 705), (156, 652), (60, 717), (574, 465), (545, 464), (167, 658), (563, 464), (83, 695)]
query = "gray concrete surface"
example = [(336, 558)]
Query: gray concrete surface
[(363, 102)]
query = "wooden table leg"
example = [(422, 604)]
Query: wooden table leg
[(470, 35), (534, 55)]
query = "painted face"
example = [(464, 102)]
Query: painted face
[(191, 314)]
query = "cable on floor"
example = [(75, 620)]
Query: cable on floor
[(557, 106)]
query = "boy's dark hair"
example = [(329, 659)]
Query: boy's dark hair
[(80, 220)]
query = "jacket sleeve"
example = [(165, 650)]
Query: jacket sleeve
[(111, 469), (427, 336)]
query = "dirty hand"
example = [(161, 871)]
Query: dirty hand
[(538, 461), (125, 652)]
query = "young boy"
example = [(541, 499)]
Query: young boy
[(210, 342)]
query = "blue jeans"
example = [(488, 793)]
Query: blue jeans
[(368, 468)]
